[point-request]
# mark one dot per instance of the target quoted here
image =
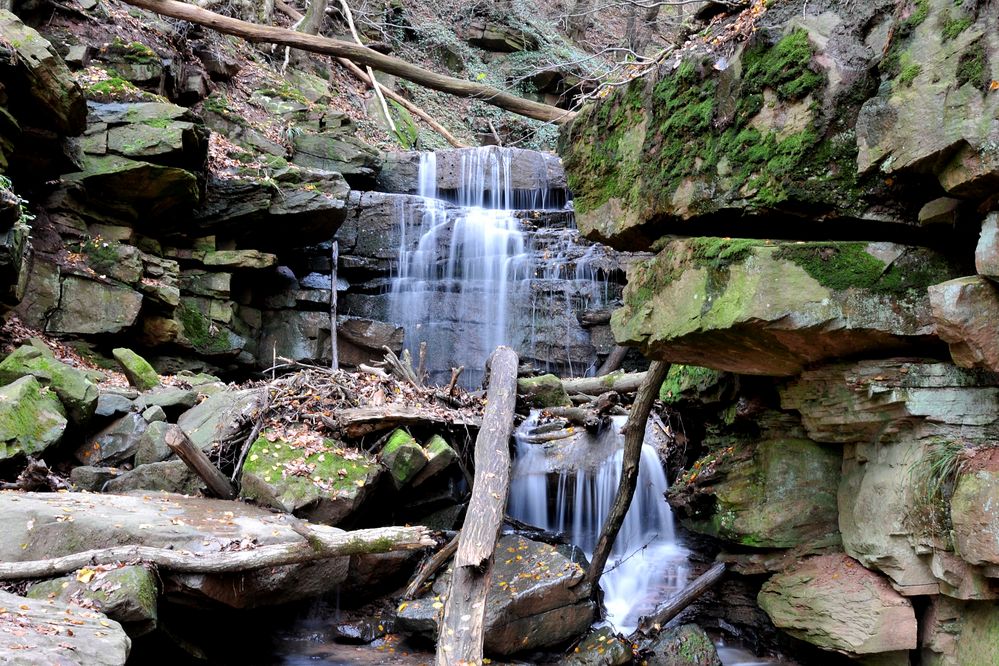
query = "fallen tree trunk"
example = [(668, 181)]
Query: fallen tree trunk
[(622, 382), (461, 633), (613, 361), (198, 462), (322, 543), (430, 567), (360, 55), (634, 437), (360, 421), (581, 416), (648, 624)]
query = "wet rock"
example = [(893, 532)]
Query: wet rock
[(89, 477), (964, 311), (31, 418), (974, 510), (219, 415), (756, 308), (152, 446), (165, 521), (834, 603), (92, 306), (420, 617), (530, 171), (77, 393), (170, 476), (543, 391), (403, 457), (115, 444), (49, 632), (140, 374), (601, 647), (325, 484), (127, 595), (683, 645)]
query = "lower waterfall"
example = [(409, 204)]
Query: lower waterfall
[(572, 492)]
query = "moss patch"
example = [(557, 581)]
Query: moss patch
[(686, 379), (973, 66), (203, 334)]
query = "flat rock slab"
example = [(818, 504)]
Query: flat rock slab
[(51, 632), (44, 525)]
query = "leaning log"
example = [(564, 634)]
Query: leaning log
[(622, 382), (198, 462), (649, 624), (634, 437), (461, 633), (322, 543), (360, 55)]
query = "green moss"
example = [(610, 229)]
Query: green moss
[(683, 379), (951, 26), (543, 391), (908, 70), (287, 92), (333, 469), (201, 332), (918, 13), (786, 68), (140, 53), (973, 66)]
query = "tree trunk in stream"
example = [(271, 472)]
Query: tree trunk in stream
[(461, 633), (622, 382), (634, 437)]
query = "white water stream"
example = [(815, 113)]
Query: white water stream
[(647, 565)]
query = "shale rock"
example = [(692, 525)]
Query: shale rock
[(115, 444), (833, 602)]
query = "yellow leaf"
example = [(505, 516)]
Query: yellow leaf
[(85, 575)]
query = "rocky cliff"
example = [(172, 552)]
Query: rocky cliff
[(819, 183)]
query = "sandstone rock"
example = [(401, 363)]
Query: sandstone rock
[(974, 510), (90, 306), (324, 484), (173, 400), (239, 259), (403, 458), (495, 36), (219, 415), (361, 340), (115, 444), (140, 374), (77, 393), (297, 335), (772, 494), (48, 632), (833, 602), (943, 210), (683, 645), (165, 521), (44, 86), (964, 311), (543, 391), (89, 477), (152, 189), (987, 251), (126, 595), (154, 414), (202, 283), (31, 418), (42, 292), (957, 633), (756, 308), (170, 476)]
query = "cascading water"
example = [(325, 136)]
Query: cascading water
[(646, 565)]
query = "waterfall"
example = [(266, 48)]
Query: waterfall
[(646, 565)]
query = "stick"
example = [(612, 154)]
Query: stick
[(325, 542), (648, 624), (455, 373), (578, 415), (461, 633), (430, 567), (334, 351), (634, 437), (613, 361), (422, 367), (345, 8), (199, 463), (361, 55)]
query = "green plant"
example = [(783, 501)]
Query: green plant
[(22, 204), (932, 479)]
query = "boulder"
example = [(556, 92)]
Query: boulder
[(112, 403), (336, 151), (495, 36), (154, 191), (171, 399), (152, 446), (220, 415), (361, 340), (47, 632), (297, 335), (154, 414), (161, 520), (77, 393), (831, 601), (601, 647), (171, 476), (440, 456), (987, 251), (403, 457), (543, 391), (126, 595), (140, 374), (89, 477), (753, 307), (115, 444), (311, 477), (31, 418), (776, 493), (974, 510), (964, 311), (90, 306), (956, 633), (683, 645)]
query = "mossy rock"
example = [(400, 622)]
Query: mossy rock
[(440, 456), (127, 595), (140, 374), (543, 391), (315, 479), (77, 393), (403, 457), (31, 418), (683, 645)]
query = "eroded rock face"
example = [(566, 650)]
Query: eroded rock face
[(974, 511), (771, 309), (957, 633), (965, 311), (835, 603)]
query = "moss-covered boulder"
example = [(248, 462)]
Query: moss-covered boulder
[(78, 394), (601, 647), (403, 457), (440, 456), (31, 418), (311, 477), (90, 306), (140, 374), (127, 595), (833, 602), (543, 391), (683, 645), (771, 494), (756, 307)]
